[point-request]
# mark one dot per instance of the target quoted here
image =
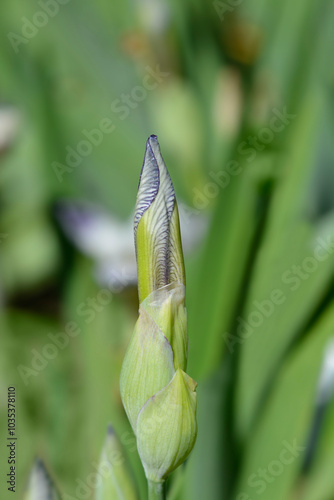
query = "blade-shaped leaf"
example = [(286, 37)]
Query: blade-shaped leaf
[(275, 450)]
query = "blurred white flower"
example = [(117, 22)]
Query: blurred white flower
[(9, 122), (326, 380), (109, 241), (154, 15)]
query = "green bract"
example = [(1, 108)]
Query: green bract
[(116, 481), (166, 427), (158, 396), (40, 486)]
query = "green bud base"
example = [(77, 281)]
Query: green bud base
[(156, 491)]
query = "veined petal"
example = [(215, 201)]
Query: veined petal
[(167, 427), (147, 366), (176, 262), (153, 174), (156, 225)]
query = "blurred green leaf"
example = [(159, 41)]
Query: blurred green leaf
[(286, 419), (290, 240), (319, 482), (213, 293)]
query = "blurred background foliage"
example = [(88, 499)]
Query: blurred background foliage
[(259, 287)]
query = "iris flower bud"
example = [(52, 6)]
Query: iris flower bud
[(158, 396), (116, 480), (40, 486), (156, 226)]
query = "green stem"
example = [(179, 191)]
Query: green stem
[(156, 491)]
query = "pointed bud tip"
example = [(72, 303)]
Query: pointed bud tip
[(153, 138), (110, 430), (39, 464), (153, 149)]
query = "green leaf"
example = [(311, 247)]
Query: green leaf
[(281, 301), (214, 285), (276, 448), (319, 482)]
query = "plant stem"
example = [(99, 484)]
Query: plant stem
[(156, 491)]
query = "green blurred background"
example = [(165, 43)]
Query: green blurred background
[(241, 96)]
